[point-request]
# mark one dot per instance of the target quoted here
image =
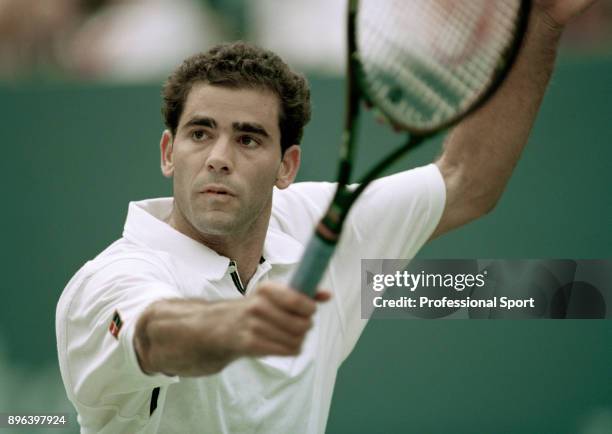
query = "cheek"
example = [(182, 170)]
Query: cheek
[(179, 173), (259, 182), (185, 172), (186, 166), (266, 177)]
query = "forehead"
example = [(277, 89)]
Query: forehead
[(228, 105)]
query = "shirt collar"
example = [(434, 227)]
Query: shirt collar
[(146, 225)]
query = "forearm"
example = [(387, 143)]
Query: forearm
[(183, 337), (482, 151), (192, 337)]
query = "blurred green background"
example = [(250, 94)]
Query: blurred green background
[(76, 154)]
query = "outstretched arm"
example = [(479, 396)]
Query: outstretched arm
[(194, 337), (481, 152)]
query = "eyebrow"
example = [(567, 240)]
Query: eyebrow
[(250, 127), (242, 127), (202, 122)]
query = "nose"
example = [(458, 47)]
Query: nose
[(219, 159)]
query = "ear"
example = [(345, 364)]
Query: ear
[(166, 148), (288, 169)]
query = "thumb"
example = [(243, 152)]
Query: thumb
[(322, 295)]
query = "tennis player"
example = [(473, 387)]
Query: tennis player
[(186, 325)]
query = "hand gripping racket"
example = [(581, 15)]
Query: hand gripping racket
[(423, 65)]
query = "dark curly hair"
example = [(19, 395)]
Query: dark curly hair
[(237, 65)]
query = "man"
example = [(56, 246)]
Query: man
[(186, 323)]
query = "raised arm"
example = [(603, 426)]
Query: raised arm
[(481, 152), (194, 337)]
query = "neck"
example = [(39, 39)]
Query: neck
[(245, 247)]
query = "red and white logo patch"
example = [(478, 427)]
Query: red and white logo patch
[(115, 325)]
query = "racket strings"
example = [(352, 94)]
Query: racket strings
[(424, 61)]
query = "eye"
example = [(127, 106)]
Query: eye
[(248, 141), (199, 135)]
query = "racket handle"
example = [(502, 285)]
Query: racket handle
[(312, 266)]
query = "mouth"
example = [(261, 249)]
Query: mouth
[(217, 190)]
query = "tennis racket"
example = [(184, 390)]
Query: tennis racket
[(422, 65)]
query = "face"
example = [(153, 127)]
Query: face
[(224, 159)]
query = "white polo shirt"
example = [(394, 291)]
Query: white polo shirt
[(99, 307)]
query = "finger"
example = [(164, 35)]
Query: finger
[(322, 296), (266, 310), (268, 332), (268, 348), (288, 299), (262, 340)]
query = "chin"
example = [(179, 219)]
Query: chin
[(217, 225)]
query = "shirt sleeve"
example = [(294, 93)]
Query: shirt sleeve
[(392, 219), (299, 208), (95, 324)]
